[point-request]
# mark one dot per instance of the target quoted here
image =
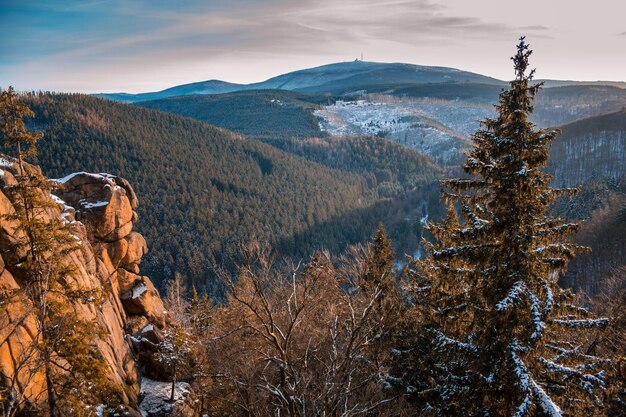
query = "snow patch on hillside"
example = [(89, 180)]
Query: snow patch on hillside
[(363, 117), (433, 127)]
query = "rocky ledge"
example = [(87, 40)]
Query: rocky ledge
[(103, 207)]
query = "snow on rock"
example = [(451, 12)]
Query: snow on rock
[(67, 178), (139, 290), (67, 211), (5, 163), (101, 176), (93, 204), (155, 396)]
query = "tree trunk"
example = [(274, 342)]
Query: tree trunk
[(173, 388), (52, 400)]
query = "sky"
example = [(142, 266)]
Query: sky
[(148, 45)]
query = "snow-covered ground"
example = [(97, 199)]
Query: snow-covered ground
[(364, 118), (434, 127), (461, 116), (156, 394)]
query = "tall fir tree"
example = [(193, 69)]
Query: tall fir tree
[(498, 336), (73, 369), (378, 265), (376, 280)]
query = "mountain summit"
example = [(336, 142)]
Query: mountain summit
[(339, 77)]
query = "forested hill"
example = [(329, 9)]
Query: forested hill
[(591, 148), (260, 113), (380, 161), (205, 189)]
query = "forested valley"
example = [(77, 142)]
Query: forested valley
[(205, 190), (304, 274)]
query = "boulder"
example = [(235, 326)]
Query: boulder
[(135, 324), (130, 193), (143, 299), (101, 204), (126, 281), (112, 253), (137, 248), (134, 268), (118, 233), (6, 178), (152, 334)]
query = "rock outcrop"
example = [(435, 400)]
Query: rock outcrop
[(103, 209), (106, 205)]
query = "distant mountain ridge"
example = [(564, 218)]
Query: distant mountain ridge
[(325, 78), (564, 83), (202, 87), (344, 77)]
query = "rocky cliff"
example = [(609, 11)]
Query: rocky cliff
[(103, 207)]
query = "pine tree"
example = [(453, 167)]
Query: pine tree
[(174, 353), (74, 371), (376, 280), (379, 265), (175, 299), (200, 315), (502, 338)]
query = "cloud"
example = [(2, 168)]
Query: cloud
[(400, 21), (537, 31), (274, 26), (535, 27), (106, 43), (156, 37)]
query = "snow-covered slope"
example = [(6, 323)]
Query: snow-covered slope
[(434, 127)]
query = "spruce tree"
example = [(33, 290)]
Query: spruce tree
[(174, 353), (498, 336), (73, 369), (378, 268)]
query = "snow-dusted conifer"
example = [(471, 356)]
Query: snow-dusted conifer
[(498, 336), (174, 353)]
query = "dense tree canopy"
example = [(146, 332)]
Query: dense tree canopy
[(203, 189)]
